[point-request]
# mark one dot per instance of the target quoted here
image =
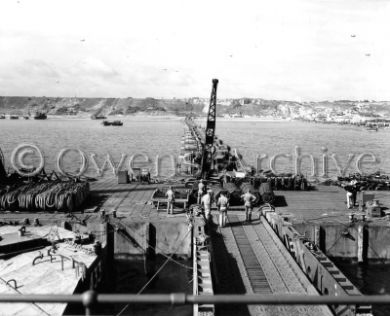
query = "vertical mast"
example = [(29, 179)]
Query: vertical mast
[(210, 131)]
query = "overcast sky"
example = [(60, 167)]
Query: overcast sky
[(275, 49)]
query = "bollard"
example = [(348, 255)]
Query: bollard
[(22, 231), (89, 299)]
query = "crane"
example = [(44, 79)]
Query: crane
[(210, 131)]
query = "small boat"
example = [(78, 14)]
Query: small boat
[(112, 123), (26, 117), (2, 117), (372, 128), (13, 117), (40, 116), (98, 117)]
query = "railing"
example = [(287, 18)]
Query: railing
[(90, 298)]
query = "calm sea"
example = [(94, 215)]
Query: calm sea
[(160, 136)]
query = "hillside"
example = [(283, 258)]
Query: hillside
[(319, 111)]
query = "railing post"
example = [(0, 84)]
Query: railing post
[(89, 299)]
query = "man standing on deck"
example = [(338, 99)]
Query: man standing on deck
[(206, 201), (248, 198), (351, 193), (170, 200), (200, 190), (222, 204), (355, 189)]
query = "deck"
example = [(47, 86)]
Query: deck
[(43, 277), (325, 203), (132, 200), (250, 259), (247, 258)]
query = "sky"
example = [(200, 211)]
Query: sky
[(302, 50)]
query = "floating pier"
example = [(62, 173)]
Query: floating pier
[(123, 240)]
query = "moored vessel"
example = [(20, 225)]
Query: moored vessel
[(40, 116), (112, 123)]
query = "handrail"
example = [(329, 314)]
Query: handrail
[(91, 297)]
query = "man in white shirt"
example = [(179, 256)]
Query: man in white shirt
[(223, 204), (200, 190), (248, 198), (206, 201), (170, 200)]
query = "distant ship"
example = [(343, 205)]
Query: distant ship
[(372, 128), (112, 123), (98, 117), (40, 116)]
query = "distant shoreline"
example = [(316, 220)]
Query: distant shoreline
[(87, 116)]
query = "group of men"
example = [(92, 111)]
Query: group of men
[(206, 197)]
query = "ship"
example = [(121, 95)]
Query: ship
[(40, 116), (112, 123), (372, 128)]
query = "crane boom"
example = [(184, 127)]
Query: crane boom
[(210, 131)]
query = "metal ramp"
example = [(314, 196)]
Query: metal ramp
[(266, 267), (202, 279), (253, 268)]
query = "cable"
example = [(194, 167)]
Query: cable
[(334, 244), (164, 255), (157, 272)]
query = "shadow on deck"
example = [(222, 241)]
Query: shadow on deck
[(227, 277)]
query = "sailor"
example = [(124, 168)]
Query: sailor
[(248, 198), (206, 201), (355, 189), (170, 200), (200, 190), (222, 204), (351, 193)]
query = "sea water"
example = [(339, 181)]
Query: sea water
[(157, 136)]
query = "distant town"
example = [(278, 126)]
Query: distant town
[(363, 112)]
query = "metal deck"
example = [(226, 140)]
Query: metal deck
[(246, 258), (259, 264), (253, 268)]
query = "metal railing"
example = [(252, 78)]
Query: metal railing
[(89, 299)]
